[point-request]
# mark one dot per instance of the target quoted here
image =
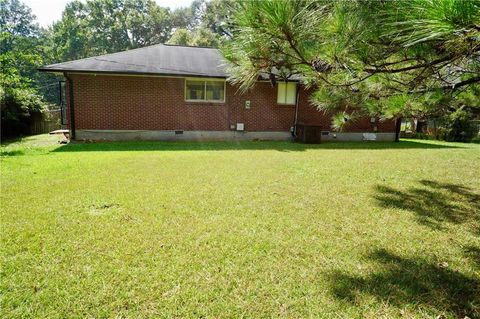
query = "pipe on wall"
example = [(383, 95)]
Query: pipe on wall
[(295, 121), (71, 106)]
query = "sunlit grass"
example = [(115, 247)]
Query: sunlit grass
[(250, 229)]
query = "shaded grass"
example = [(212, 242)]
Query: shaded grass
[(252, 229), (33, 144), (434, 202), (412, 281)]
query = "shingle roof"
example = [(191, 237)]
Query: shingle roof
[(156, 59)]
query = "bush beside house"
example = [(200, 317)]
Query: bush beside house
[(19, 107), (460, 125)]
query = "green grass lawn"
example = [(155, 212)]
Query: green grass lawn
[(250, 229)]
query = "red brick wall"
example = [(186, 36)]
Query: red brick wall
[(141, 103), (309, 114), (264, 113), (154, 103)]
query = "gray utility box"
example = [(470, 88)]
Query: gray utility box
[(309, 134)]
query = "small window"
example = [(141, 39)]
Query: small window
[(287, 93), (205, 90), (195, 90)]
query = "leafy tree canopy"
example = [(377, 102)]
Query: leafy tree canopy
[(20, 54), (210, 25), (200, 37), (105, 26), (381, 58)]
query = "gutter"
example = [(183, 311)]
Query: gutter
[(134, 73), (143, 74), (71, 106)]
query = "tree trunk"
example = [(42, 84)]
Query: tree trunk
[(398, 125)]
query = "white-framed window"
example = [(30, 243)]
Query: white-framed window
[(287, 93), (204, 90)]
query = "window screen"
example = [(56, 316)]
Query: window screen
[(205, 90), (215, 90), (287, 93), (195, 90)]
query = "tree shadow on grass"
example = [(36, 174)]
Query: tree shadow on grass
[(415, 281), (473, 255), (10, 140), (283, 146), (434, 203), (412, 281), (12, 153)]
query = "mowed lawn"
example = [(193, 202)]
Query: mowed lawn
[(250, 229)]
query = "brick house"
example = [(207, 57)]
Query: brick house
[(169, 92)]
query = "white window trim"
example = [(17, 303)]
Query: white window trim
[(205, 80), (286, 88)]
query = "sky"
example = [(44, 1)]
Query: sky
[(49, 11)]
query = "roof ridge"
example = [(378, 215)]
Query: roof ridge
[(189, 46), (109, 54), (120, 52)]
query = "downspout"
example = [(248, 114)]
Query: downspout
[(70, 106), (295, 121)]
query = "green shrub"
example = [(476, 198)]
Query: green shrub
[(476, 140), (460, 127), (422, 136), (441, 134), (18, 105)]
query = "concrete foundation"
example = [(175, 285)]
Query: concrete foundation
[(128, 135), (351, 137)]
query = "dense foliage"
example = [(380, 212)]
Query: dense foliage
[(105, 26), (20, 54), (459, 126), (366, 57)]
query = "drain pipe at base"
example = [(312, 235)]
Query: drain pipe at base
[(294, 131)]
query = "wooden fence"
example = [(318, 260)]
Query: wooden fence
[(47, 122)]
